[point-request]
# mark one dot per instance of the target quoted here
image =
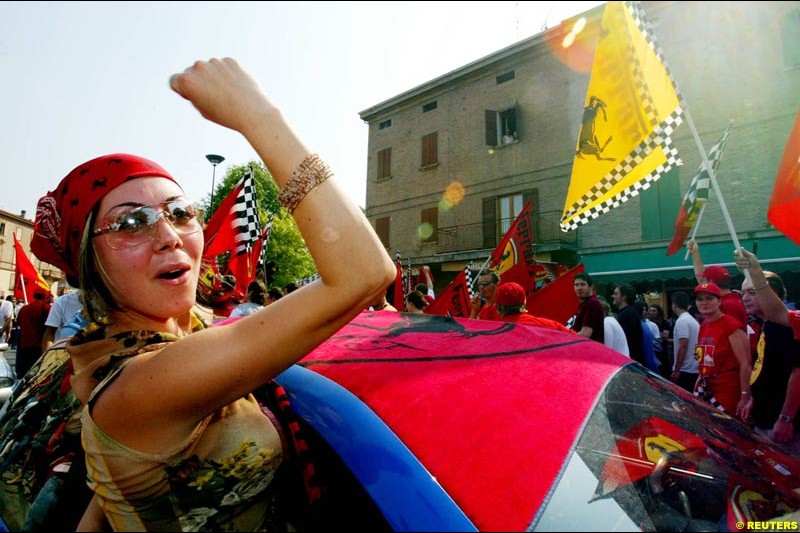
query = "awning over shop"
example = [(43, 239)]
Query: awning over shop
[(650, 264)]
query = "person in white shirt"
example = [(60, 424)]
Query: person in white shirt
[(614, 335), (6, 318), (684, 369), (63, 309), (256, 299)]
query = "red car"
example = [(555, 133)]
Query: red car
[(444, 424)]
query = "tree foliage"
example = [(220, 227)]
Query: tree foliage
[(286, 246)]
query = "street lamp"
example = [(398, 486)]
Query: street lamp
[(215, 160)]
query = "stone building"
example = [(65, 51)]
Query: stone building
[(443, 184)]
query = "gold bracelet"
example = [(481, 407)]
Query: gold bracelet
[(310, 173), (761, 288)]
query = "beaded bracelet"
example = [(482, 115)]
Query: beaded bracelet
[(310, 173)]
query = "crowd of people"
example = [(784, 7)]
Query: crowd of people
[(121, 229), (735, 349)]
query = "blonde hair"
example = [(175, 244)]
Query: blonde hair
[(95, 294)]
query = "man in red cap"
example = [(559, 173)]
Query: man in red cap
[(731, 301), (510, 300)]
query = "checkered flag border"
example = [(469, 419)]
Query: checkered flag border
[(307, 280), (468, 277), (660, 137), (246, 208)]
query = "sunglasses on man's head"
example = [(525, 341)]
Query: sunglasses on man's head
[(132, 226)]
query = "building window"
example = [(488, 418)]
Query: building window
[(382, 229), (385, 124), (430, 149), (384, 163), (430, 106), (791, 39), (502, 78), (2, 229), (429, 226), (501, 127), (505, 209), (659, 206), (508, 207)]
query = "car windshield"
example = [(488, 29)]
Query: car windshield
[(654, 458)]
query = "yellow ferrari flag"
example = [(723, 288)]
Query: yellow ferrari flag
[(632, 107)]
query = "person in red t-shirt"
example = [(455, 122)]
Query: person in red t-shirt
[(723, 353), (510, 300), (483, 306)]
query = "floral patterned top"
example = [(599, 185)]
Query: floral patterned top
[(216, 480)]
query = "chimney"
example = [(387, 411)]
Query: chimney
[(22, 213)]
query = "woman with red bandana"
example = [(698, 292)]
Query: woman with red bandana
[(723, 356), (174, 439)]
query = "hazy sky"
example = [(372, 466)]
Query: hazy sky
[(82, 79)]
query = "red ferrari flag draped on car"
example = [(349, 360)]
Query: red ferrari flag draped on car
[(27, 279), (785, 201)]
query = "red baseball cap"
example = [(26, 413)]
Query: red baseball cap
[(717, 274), (709, 287), (509, 294)]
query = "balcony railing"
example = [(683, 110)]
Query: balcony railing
[(545, 227)]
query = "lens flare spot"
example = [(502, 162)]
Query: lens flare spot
[(425, 231), (454, 193)]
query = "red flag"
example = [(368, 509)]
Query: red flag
[(513, 256), (240, 265), (454, 299), (26, 278), (216, 223), (785, 201), (556, 300), (235, 223)]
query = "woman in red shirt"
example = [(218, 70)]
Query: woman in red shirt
[(723, 354)]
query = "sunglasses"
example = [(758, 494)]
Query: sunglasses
[(485, 283), (132, 227)]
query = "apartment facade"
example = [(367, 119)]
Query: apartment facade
[(451, 162), (22, 227)]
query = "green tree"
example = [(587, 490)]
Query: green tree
[(286, 246)]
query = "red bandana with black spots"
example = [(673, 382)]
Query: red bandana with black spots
[(61, 214)]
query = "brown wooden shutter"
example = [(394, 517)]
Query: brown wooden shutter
[(491, 127), (532, 196), (431, 216), (382, 229), (489, 222), (385, 163), (430, 149)]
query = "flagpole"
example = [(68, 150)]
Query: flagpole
[(482, 269), (24, 290), (712, 177), (694, 229)]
